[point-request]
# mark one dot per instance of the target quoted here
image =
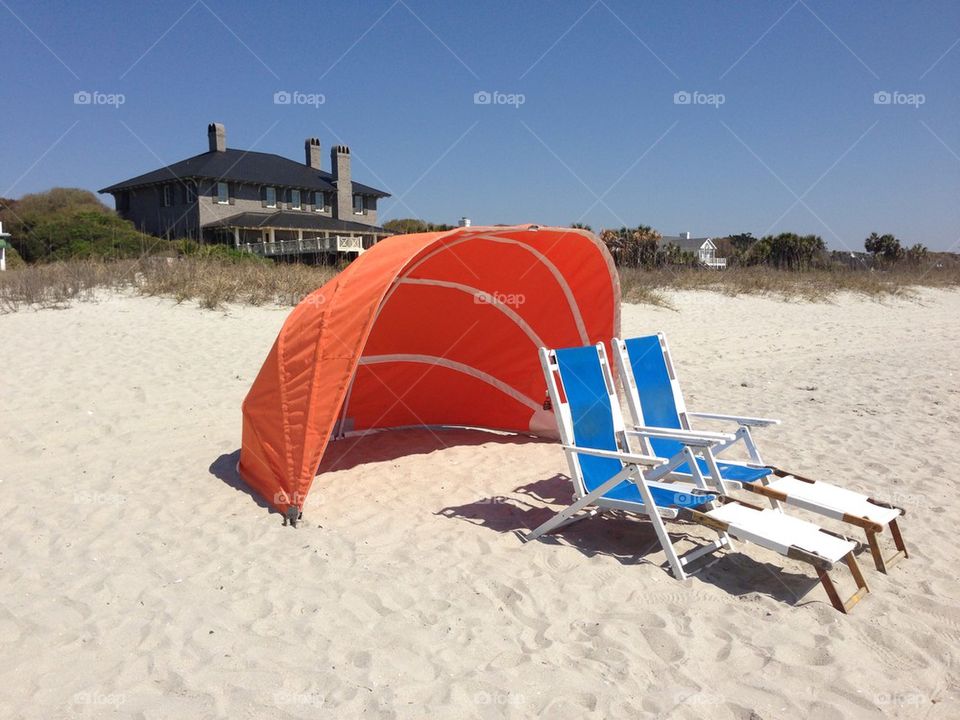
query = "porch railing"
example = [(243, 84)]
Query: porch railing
[(338, 243)]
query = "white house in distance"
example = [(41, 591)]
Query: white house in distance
[(3, 248), (702, 247)]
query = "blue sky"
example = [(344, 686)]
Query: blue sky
[(782, 131)]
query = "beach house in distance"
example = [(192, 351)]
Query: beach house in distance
[(704, 249), (264, 203)]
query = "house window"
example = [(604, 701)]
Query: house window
[(358, 204), (123, 201), (295, 199), (271, 197), (167, 199), (223, 193), (320, 201), (191, 192)]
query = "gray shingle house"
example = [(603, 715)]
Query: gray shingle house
[(704, 249), (261, 202)]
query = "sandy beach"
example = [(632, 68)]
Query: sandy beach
[(139, 578)]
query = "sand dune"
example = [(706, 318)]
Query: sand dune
[(139, 578)]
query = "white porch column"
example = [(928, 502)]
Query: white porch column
[(236, 237), (3, 259), (3, 248)]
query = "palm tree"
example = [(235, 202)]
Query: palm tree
[(886, 248)]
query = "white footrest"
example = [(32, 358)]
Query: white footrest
[(821, 496), (776, 531)]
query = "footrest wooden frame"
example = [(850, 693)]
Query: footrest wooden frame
[(844, 606), (871, 529), (884, 564)]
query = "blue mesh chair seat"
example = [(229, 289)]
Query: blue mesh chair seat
[(628, 492)]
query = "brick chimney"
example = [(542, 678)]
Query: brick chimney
[(217, 137), (340, 168), (311, 149)]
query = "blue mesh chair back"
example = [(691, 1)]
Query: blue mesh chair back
[(649, 364), (650, 372), (586, 392)]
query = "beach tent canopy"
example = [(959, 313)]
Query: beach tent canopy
[(429, 329)]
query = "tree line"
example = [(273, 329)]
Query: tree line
[(64, 223), (644, 247)]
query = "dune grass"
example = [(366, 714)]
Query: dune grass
[(649, 286), (210, 282), (213, 282)]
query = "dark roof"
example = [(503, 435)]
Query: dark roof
[(684, 243), (295, 221), (244, 166)]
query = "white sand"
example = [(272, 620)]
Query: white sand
[(138, 579)]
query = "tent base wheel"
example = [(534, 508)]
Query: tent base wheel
[(292, 516)]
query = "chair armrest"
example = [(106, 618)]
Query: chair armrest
[(687, 437), (632, 458), (739, 419)]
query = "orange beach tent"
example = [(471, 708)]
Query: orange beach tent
[(430, 329)]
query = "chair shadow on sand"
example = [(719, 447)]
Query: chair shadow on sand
[(628, 539)]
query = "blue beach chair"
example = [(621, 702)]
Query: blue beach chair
[(607, 476), (661, 421)]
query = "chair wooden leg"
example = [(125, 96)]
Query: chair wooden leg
[(857, 574), (898, 542), (875, 551), (884, 564), (831, 589)]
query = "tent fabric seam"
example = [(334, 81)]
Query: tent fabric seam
[(464, 368)]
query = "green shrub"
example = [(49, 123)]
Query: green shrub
[(225, 253), (14, 261), (65, 223), (406, 226)]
